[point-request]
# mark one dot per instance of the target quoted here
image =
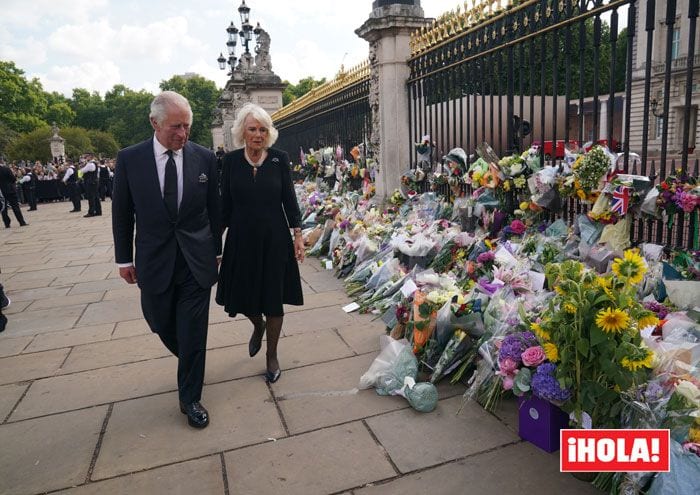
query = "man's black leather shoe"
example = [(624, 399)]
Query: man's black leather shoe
[(88, 215), (197, 416)]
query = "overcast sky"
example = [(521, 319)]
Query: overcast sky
[(95, 44)]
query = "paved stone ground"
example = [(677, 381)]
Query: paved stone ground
[(88, 399)]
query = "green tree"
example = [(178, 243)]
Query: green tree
[(77, 142), (202, 94), (294, 91), (7, 135), (33, 145), (23, 103), (103, 143), (90, 110), (127, 114), (61, 113)]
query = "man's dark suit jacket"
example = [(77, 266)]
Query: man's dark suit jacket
[(137, 201)]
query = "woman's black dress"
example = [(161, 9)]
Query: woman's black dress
[(259, 272)]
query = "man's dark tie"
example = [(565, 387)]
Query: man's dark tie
[(170, 186)]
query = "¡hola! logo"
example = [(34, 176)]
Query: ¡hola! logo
[(615, 450)]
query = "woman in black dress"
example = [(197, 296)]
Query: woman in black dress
[(259, 271)]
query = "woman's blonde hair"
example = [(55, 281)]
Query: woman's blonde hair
[(259, 114)]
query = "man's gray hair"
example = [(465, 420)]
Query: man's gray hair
[(259, 114), (166, 100)]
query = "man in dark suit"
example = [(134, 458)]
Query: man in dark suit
[(166, 188)]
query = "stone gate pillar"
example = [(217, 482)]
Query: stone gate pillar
[(388, 31)]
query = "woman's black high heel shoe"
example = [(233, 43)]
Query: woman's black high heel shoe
[(254, 345)]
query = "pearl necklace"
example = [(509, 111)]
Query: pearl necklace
[(253, 163)]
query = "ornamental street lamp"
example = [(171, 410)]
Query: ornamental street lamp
[(246, 34)]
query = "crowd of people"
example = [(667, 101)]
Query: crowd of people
[(23, 182)]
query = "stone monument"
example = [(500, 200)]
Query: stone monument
[(58, 145)]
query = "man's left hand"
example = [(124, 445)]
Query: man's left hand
[(299, 248)]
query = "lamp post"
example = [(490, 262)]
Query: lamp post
[(246, 34)]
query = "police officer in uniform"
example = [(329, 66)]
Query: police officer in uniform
[(89, 172), (70, 179), (29, 186), (9, 190)]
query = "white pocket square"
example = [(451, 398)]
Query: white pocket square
[(203, 178)]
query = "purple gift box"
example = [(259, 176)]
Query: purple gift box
[(539, 422)]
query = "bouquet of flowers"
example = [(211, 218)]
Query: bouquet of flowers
[(591, 331), (588, 171)]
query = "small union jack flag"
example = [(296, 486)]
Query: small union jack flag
[(621, 200)]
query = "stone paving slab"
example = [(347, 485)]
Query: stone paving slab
[(322, 282), (34, 283), (39, 268), (102, 386), (9, 395), (46, 320), (320, 300), (45, 274), (111, 312), (97, 286), (59, 302), (127, 292), (13, 346), (70, 338), (228, 334), (301, 350), (100, 258), (151, 431), (87, 276), (34, 294), (48, 453), (114, 352), (31, 366), (315, 319), (325, 394), (25, 259), (440, 436), (131, 328), (16, 307), (321, 462), (201, 476), (503, 471), (362, 338)]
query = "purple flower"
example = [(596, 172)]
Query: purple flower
[(545, 385), (517, 227), (658, 308), (486, 257), (515, 344)]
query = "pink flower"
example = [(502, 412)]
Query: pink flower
[(508, 383), (517, 227), (533, 356), (508, 366)]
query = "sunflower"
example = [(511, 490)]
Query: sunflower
[(630, 267), (551, 351), (541, 333), (635, 364), (647, 320), (570, 308), (612, 320)]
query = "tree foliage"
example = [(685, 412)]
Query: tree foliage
[(202, 95), (294, 91), (103, 143), (23, 103), (127, 114)]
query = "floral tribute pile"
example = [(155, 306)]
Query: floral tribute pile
[(514, 302)]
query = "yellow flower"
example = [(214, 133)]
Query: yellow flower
[(581, 194), (635, 364), (647, 321), (524, 205), (551, 351), (559, 290), (541, 333), (694, 433), (612, 320), (570, 308), (605, 284), (631, 267)]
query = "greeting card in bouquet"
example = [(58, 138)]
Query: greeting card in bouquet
[(539, 422)]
